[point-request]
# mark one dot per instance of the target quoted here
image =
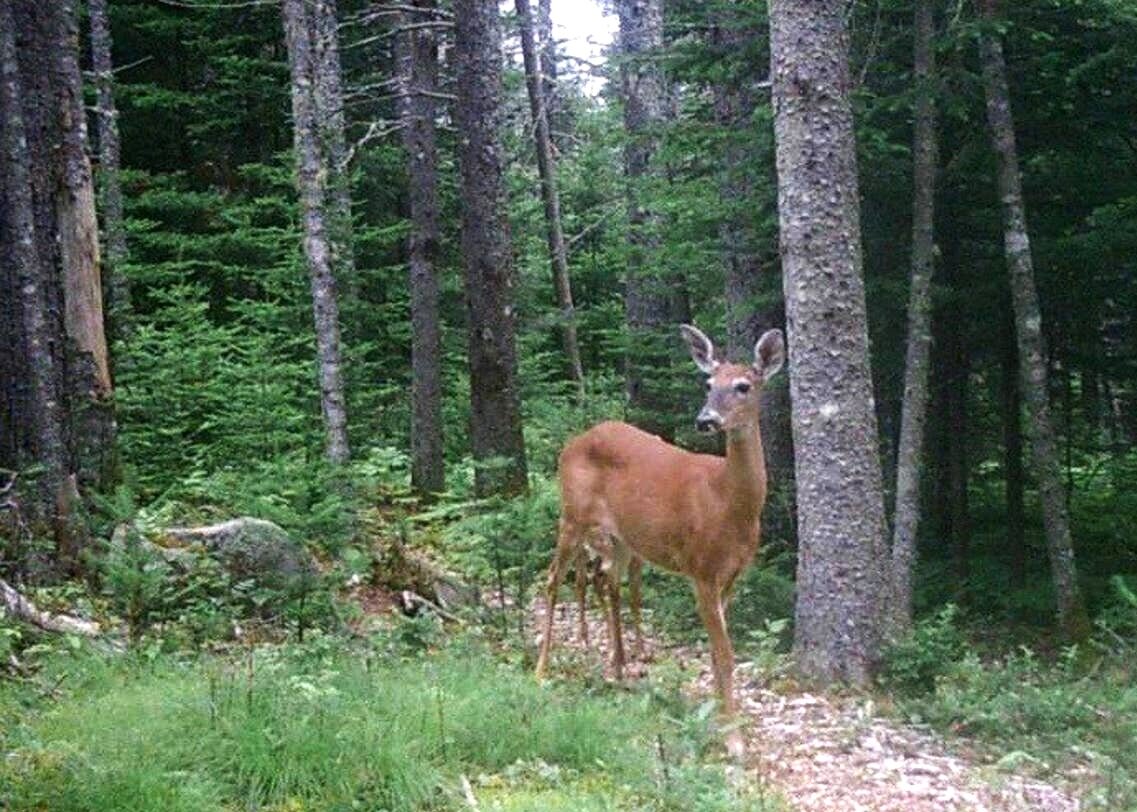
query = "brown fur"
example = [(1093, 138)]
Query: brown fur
[(628, 493)]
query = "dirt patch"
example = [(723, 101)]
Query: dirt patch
[(828, 753)]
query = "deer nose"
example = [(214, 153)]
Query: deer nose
[(708, 420)]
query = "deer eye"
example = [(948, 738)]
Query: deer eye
[(707, 384), (742, 387)]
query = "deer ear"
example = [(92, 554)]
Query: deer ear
[(769, 354), (702, 350)]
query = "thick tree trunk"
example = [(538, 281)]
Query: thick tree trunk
[(1013, 458), (648, 295), (418, 73), (331, 123), (88, 363), (913, 414), (495, 419), (547, 168), (35, 410), (114, 230), (311, 171), (841, 529), (64, 421), (1072, 614)]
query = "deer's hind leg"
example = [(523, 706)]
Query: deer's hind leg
[(582, 566), (568, 543)]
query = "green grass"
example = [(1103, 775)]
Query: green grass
[(327, 728)]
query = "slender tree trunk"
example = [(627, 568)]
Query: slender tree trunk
[(841, 529), (114, 230), (1028, 326), (1013, 457), (418, 72), (311, 171), (331, 123), (495, 397), (547, 47), (925, 148), (547, 168), (647, 292)]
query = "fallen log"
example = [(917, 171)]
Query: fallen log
[(15, 603)]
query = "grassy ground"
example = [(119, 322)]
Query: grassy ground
[(328, 727)]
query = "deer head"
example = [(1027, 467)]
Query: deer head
[(733, 389)]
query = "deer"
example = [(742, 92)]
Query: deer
[(626, 493)]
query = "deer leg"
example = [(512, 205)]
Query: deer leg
[(615, 633), (708, 597), (635, 598), (566, 542), (582, 592)]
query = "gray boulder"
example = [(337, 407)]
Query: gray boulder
[(247, 548)]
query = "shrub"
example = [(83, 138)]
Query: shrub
[(912, 665)]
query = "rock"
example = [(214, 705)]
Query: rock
[(247, 548)]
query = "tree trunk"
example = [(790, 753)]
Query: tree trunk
[(495, 419), (547, 48), (418, 72), (311, 171), (1013, 457), (925, 148), (841, 528), (648, 297), (36, 410), (87, 362), (331, 122), (114, 230), (1072, 614), (547, 168), (751, 276), (65, 420)]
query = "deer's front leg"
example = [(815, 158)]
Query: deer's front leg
[(709, 601)]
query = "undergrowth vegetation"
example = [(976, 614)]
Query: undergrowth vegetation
[(329, 726), (1072, 713)]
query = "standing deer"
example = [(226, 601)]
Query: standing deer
[(625, 492)]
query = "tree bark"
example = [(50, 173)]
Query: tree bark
[(331, 122), (1072, 614), (114, 240), (547, 168), (65, 419), (547, 48), (914, 409), (841, 528), (87, 361), (418, 72), (495, 398), (36, 411), (110, 161), (312, 171), (648, 297)]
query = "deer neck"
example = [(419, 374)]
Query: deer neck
[(745, 471)]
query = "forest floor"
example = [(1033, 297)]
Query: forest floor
[(824, 751)]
